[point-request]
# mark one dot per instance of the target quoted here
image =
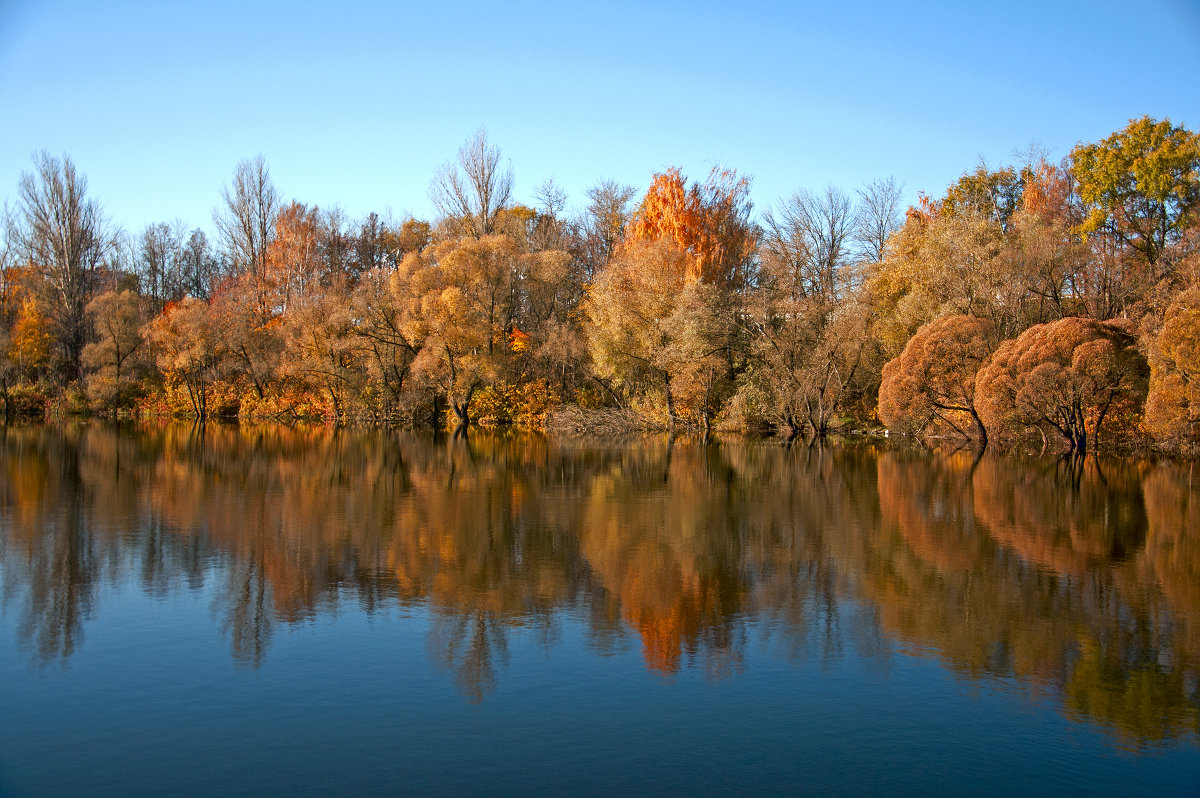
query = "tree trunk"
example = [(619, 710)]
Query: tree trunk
[(670, 401)]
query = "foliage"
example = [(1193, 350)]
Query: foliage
[(1141, 185), (186, 348), (931, 385), (113, 362), (1173, 403), (655, 329), (30, 342), (682, 308), (1067, 377), (709, 222)]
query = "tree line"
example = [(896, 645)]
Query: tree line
[(1036, 302)]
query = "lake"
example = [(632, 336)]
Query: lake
[(224, 610)]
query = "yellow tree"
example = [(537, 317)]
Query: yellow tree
[(293, 260), (456, 300), (663, 312), (117, 319), (30, 341), (1140, 186), (1173, 404)]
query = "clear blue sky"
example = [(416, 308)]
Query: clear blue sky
[(355, 103)]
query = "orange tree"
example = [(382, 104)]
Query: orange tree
[(932, 383), (1173, 404), (663, 311), (1067, 377)]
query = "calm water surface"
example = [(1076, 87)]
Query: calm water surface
[(240, 611)]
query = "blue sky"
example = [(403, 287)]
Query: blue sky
[(356, 103)]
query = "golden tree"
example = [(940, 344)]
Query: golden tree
[(1173, 404), (933, 380), (662, 313), (1067, 377)]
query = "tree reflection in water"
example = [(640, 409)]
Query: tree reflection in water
[(1080, 577)]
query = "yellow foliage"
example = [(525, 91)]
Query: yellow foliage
[(30, 344)]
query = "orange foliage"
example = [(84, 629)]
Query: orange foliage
[(1173, 404), (708, 221), (933, 380), (292, 258), (30, 345), (1047, 193), (1069, 377)]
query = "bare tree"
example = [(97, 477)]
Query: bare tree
[(878, 217), (200, 269), (160, 261), (604, 221), (8, 246), (335, 243), (63, 233), (808, 244), (247, 224), (551, 197), (475, 190), (551, 230)]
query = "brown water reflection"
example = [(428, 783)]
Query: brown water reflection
[(1078, 579)]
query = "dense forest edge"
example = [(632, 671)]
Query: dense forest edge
[(1055, 305)]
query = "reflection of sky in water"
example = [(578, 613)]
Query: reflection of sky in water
[(663, 617), (351, 702)]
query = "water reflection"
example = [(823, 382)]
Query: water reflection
[(1078, 579)]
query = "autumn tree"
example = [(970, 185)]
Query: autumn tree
[(62, 233), (552, 292), (457, 302), (994, 195), (1173, 403), (380, 324), (663, 313), (250, 343), (629, 308), (293, 263), (111, 358), (953, 257), (187, 349), (1066, 377), (932, 382), (322, 349), (472, 192), (1046, 255), (1140, 186), (414, 236), (30, 340), (709, 222)]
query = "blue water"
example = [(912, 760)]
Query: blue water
[(456, 686)]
